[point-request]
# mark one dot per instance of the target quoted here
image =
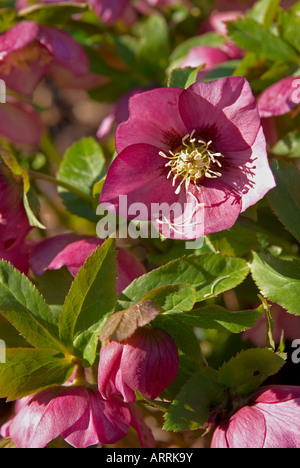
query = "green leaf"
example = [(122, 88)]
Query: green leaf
[(28, 371), (216, 317), (154, 48), (90, 302), (223, 70), (183, 77), (278, 280), (289, 27), (249, 369), (264, 12), (288, 146), (83, 165), (254, 37), (235, 241), (173, 298), (211, 274), (284, 199), (26, 309), (191, 408)]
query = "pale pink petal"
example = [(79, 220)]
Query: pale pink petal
[(18, 37), (280, 98), (247, 429), (204, 55), (48, 414)]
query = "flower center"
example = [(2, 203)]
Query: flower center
[(193, 161), (23, 58)]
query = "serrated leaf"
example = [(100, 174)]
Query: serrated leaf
[(284, 199), (249, 369), (235, 241), (210, 274), (173, 298), (278, 280), (26, 309), (27, 371), (123, 324), (216, 317), (183, 77), (83, 165), (254, 37), (91, 300), (191, 408)]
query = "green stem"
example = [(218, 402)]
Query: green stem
[(60, 183), (48, 148)]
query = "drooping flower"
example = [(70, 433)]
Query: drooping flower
[(284, 322), (27, 51), (147, 362), (271, 420), (76, 413), (14, 225), (209, 56), (20, 123), (72, 250), (200, 151), (280, 98)]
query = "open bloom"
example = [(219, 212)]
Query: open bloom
[(76, 413), (71, 250), (272, 420), (280, 98), (194, 158), (27, 51), (14, 225), (147, 362)]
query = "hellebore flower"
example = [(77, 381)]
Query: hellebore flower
[(76, 413), (280, 98), (283, 322), (14, 225), (272, 420), (211, 57), (17, 256), (27, 51), (147, 361), (72, 251), (197, 155), (20, 123)]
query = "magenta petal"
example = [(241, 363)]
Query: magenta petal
[(18, 37), (110, 356), (204, 55), (47, 415), (280, 98), (219, 438), (213, 208), (247, 429), (154, 119), (139, 173), (20, 123), (129, 268), (107, 422), (109, 10), (249, 173), (144, 432), (223, 111), (68, 250), (64, 50)]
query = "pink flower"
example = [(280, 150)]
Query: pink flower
[(20, 123), (147, 362), (201, 150), (211, 57), (17, 256), (14, 225), (72, 251), (283, 322), (280, 98), (76, 413), (272, 420), (27, 51)]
